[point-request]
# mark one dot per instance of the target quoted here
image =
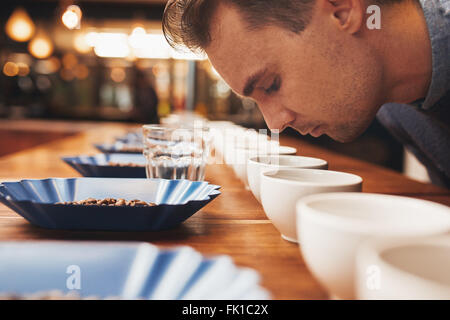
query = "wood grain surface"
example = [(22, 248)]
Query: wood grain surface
[(233, 224)]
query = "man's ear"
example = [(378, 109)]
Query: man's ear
[(347, 14)]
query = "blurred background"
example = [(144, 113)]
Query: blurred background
[(101, 60)]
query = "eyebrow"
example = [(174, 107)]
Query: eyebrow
[(251, 81)]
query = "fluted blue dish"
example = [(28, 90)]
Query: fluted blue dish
[(176, 200), (99, 165), (131, 137), (130, 270), (118, 146)]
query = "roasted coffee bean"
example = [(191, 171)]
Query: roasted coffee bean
[(120, 202)]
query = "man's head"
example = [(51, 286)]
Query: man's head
[(307, 63)]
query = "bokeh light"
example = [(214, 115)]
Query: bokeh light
[(81, 71), (69, 60), (10, 69), (71, 18), (24, 69), (80, 43), (47, 66), (19, 26), (118, 74), (40, 47)]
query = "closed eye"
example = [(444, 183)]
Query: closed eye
[(275, 86)]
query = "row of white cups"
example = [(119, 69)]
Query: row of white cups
[(357, 245)]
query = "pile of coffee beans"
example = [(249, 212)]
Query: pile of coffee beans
[(123, 164), (111, 202)]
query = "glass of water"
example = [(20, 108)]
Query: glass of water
[(176, 152)]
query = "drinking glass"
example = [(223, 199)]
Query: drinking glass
[(176, 152)]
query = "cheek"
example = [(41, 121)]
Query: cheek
[(331, 86), (309, 88)]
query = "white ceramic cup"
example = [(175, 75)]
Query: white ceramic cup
[(242, 155), (280, 190), (229, 140), (331, 226), (407, 269), (222, 137), (257, 165)]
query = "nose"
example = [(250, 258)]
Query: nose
[(276, 117)]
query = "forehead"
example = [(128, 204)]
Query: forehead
[(237, 51)]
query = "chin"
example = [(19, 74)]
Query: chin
[(344, 140), (344, 136)]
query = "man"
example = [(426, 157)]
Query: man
[(317, 66)]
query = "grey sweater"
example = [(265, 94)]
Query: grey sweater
[(424, 126)]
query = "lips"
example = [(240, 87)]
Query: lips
[(314, 131), (288, 124), (305, 130), (317, 131)]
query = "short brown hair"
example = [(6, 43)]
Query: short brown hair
[(187, 22)]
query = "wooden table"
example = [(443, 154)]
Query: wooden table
[(232, 224)]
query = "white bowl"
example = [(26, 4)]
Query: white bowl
[(331, 226), (241, 156), (257, 165), (417, 268), (280, 190), (234, 149)]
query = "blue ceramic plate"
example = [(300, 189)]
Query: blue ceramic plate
[(176, 201), (100, 165), (124, 270), (131, 137), (120, 147)]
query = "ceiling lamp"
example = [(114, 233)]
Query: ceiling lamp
[(71, 18), (41, 46), (19, 26)]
